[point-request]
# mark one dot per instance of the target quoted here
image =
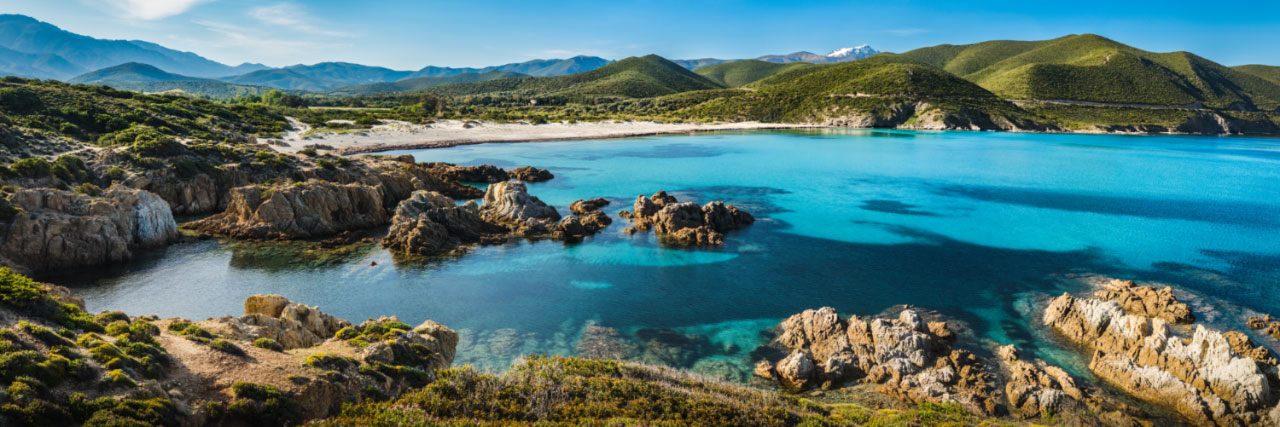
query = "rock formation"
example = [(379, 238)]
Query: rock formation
[(910, 359), (60, 229), (1265, 324), (1204, 377), (429, 223), (531, 174), (296, 211), (291, 324), (686, 223), (509, 203), (582, 207), (1146, 301)]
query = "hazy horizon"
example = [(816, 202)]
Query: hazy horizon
[(406, 35)]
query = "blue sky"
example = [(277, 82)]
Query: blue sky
[(408, 34)]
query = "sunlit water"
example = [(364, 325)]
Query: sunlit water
[(978, 226)]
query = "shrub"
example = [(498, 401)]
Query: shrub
[(268, 343), (48, 336), (32, 167), (119, 378), (329, 361), (226, 347)]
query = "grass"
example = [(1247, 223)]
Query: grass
[(741, 73)]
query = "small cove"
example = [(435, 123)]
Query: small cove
[(976, 226)]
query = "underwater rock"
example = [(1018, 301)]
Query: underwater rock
[(60, 229), (720, 370), (531, 174), (428, 223), (672, 348), (1146, 301), (599, 342), (1204, 378), (296, 211), (687, 223)]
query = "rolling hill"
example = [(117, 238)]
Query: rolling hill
[(535, 68), (148, 79), (420, 83), (1269, 73), (741, 73), (318, 77), (635, 77), (1092, 68), (27, 35)]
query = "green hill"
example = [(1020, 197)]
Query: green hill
[(1269, 73), (1095, 69), (148, 79), (420, 83), (741, 73), (635, 77)]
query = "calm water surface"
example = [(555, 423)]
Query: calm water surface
[(978, 226)]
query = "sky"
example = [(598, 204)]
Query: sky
[(411, 34)]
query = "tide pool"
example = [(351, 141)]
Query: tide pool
[(976, 226)]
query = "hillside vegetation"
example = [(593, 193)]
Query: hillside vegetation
[(148, 79), (741, 73), (1269, 73), (1096, 69), (636, 77), (420, 83)]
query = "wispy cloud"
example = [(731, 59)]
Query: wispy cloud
[(293, 17), (152, 9), (907, 31), (251, 42)]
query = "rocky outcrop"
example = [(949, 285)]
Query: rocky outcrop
[(296, 211), (509, 203), (61, 229), (908, 358), (583, 207), (531, 174), (291, 324), (1265, 324), (687, 223), (428, 223), (1204, 377), (1146, 301)]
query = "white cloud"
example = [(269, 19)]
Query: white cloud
[(293, 17), (152, 9), (241, 43)]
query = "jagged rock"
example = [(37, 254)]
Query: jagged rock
[(1146, 301), (296, 211), (61, 229), (428, 223), (911, 360), (686, 223), (582, 207), (531, 174), (481, 173), (291, 324), (510, 203), (1266, 324), (595, 221), (1203, 378)]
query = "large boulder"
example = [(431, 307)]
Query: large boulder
[(1203, 377), (687, 223), (510, 203), (428, 223), (531, 174), (60, 229), (291, 324), (297, 211)]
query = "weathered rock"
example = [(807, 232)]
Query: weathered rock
[(595, 221), (510, 203), (429, 223), (292, 325), (582, 207), (296, 211), (267, 305), (911, 360), (531, 174), (481, 173), (1203, 378), (60, 229), (686, 223), (1265, 324), (1146, 301)]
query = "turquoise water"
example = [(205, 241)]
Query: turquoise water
[(978, 226)]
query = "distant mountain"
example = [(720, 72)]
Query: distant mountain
[(843, 54), (1092, 68), (741, 73), (146, 78), (809, 57), (535, 68), (420, 83), (28, 35), (318, 77), (36, 65), (851, 53), (693, 64), (279, 78), (636, 77)]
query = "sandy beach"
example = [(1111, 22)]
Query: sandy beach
[(396, 135)]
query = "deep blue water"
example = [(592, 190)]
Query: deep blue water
[(977, 226)]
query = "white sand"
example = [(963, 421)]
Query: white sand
[(394, 135)]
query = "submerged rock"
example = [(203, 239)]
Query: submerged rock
[(1204, 378), (60, 229), (428, 223), (296, 211), (687, 223), (1146, 301)]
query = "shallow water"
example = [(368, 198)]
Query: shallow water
[(978, 226)]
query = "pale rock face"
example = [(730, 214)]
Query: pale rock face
[(1204, 378), (291, 324), (428, 223), (60, 229), (509, 202), (1146, 301), (296, 211)]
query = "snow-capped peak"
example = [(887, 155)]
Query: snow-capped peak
[(861, 51)]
